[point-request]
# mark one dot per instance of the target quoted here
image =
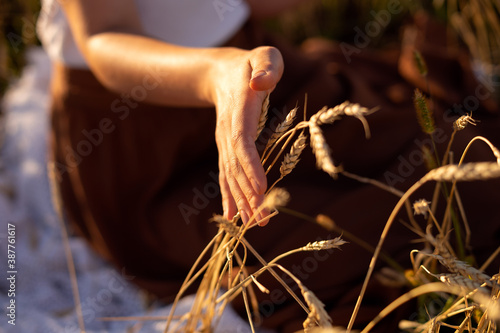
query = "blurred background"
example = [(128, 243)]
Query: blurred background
[(24, 186), (17, 33), (475, 23)]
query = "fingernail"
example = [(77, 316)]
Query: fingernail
[(264, 217), (255, 186), (258, 74), (244, 216), (258, 217)]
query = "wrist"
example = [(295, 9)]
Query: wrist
[(228, 67)]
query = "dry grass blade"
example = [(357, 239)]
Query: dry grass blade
[(467, 172), (56, 201), (433, 287), (494, 149), (373, 182), (247, 307), (314, 246), (191, 276)]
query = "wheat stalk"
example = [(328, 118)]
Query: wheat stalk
[(467, 172), (456, 266)]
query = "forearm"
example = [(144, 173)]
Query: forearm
[(172, 75)]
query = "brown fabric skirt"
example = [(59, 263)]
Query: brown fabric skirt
[(139, 181)]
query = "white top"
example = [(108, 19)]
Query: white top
[(194, 23)]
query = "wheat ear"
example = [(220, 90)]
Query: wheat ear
[(467, 172), (292, 158), (317, 315), (282, 127), (322, 151)]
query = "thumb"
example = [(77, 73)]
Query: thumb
[(267, 68)]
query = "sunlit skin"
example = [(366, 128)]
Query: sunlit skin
[(232, 80)]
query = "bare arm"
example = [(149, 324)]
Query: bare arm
[(235, 81)]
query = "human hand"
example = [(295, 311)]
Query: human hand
[(241, 81)]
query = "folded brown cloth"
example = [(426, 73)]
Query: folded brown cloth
[(139, 182)]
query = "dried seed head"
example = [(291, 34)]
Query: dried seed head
[(276, 198), (226, 225), (424, 114), (335, 243), (459, 267), (464, 172), (291, 159), (321, 150), (420, 63), (282, 127), (462, 122), (330, 115), (325, 222), (318, 315), (462, 281), (421, 207)]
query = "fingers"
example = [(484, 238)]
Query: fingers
[(267, 68), (242, 178), (228, 205), (237, 191)]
